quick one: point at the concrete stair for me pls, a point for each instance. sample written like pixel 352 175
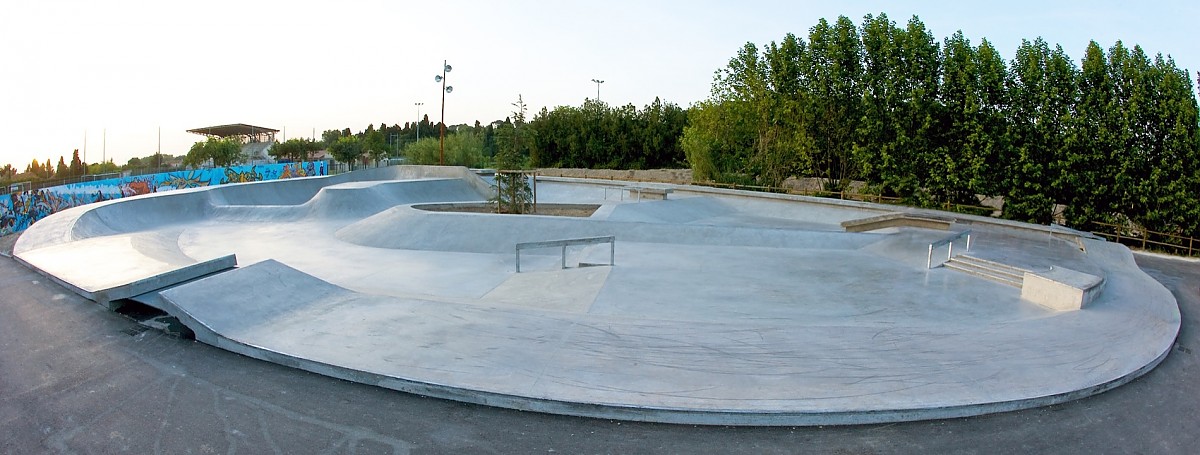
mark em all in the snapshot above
pixel 983 268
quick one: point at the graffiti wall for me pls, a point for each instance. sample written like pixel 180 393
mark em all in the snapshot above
pixel 21 209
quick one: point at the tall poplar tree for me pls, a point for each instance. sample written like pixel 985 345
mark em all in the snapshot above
pixel 833 68
pixel 1042 86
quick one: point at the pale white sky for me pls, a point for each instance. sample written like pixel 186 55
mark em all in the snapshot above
pixel 130 67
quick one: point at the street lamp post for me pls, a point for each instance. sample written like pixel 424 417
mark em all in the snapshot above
pixel 598 82
pixel 445 89
pixel 418 128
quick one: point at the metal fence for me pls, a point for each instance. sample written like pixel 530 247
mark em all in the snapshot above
pixel 1148 240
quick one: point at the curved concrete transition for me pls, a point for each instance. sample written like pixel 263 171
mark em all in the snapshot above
pixel 723 307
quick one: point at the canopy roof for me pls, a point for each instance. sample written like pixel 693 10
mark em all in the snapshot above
pixel 234 130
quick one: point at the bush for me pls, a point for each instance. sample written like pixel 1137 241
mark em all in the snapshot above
pixel 462 149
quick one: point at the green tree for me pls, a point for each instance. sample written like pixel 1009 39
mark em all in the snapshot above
pixel 347 149
pixel 374 144
pixel 328 137
pixel 994 144
pixel 104 167
pixel 755 126
pixel 62 171
pixel 1043 90
pixel 1085 172
pixel 514 139
pixel 295 150
pixel 462 149
pixel 833 71
pixel 718 140
pixel 222 152
pixel 1159 162
pixel 897 135
pixel 968 136
pixel 77 167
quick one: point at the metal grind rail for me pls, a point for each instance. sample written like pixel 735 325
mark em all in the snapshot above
pixel 609 239
pixel 947 241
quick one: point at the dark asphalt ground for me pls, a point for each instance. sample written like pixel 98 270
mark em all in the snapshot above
pixel 76 378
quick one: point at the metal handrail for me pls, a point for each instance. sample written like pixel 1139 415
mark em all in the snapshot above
pixel 947 241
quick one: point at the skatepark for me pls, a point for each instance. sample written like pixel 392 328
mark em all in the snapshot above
pixel 719 307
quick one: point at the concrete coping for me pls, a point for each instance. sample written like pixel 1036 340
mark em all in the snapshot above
pixel 1061 289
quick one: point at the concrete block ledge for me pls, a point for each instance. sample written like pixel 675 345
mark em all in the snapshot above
pixel 1061 289
pixel 165 279
pixel 896 219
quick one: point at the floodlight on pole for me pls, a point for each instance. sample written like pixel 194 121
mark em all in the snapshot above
pixel 445 89
pixel 598 82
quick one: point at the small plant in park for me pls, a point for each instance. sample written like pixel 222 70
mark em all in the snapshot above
pixel 513 138
pixel 513 192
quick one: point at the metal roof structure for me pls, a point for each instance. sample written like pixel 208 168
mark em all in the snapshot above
pixel 250 132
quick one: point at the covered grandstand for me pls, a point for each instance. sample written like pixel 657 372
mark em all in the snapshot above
pixel 255 140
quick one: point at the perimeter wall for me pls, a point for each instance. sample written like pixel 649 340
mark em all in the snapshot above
pixel 21 209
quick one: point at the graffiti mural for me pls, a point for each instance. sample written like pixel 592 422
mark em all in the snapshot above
pixel 21 209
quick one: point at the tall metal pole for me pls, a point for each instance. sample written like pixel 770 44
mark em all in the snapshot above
pixel 418 128
pixel 442 135
pixel 445 89
pixel 598 82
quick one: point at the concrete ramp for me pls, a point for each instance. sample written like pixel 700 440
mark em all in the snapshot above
pixel 684 210
pixel 129 276
pixel 362 199
pixel 746 372
pixel 413 229
pixel 233 303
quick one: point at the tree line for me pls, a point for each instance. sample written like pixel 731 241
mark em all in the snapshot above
pixel 1112 139
pixel 593 135
pixel 46 172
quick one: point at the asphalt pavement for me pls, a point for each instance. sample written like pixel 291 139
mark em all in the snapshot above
pixel 76 378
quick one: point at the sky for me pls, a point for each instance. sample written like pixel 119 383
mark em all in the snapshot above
pixel 105 77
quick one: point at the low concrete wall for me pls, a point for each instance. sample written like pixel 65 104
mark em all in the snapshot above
pixel 1061 289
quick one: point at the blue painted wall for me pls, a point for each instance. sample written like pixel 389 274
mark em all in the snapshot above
pixel 19 210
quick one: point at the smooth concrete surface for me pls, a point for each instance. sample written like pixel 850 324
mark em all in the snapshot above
pixel 1061 289
pixel 77 378
pixel 724 307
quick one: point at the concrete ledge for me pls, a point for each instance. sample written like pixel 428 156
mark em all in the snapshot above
pixel 896 219
pixel 1061 289
pixel 165 279
pixel 648 193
